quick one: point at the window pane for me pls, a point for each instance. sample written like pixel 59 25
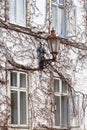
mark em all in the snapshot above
pixel 54 0
pixel 23 80
pixel 20 12
pixel 55 17
pixel 57 112
pixel 61 1
pixel 64 111
pixel 22 107
pixel 64 87
pixel 14 107
pixel 13 79
pixel 56 85
pixel 61 22
pixel 12 12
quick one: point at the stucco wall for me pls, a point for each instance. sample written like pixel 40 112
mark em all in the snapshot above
pixel 39 82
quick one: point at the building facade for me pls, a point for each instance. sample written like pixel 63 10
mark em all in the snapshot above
pixel 31 98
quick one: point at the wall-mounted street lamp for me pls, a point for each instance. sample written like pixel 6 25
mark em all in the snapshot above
pixel 53 45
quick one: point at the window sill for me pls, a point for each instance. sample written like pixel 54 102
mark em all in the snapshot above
pixel 17 24
pixel 60 128
pixel 19 126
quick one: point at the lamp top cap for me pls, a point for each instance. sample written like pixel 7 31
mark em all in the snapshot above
pixel 53 32
pixel 53 35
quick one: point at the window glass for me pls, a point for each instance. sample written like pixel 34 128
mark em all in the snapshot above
pixel 54 17
pixel 57 112
pixel 22 80
pixel 13 79
pixel 64 111
pixel 14 107
pixel 61 1
pixel 22 107
pixel 17 12
pixel 54 0
pixel 59 19
pixel 61 22
pixel 56 85
pixel 12 12
pixel 20 11
pixel 64 87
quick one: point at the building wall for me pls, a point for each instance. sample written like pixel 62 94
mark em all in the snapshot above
pixel 40 84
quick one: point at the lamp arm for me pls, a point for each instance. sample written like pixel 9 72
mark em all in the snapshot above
pixel 43 63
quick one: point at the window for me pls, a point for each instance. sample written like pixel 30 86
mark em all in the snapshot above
pixel 59 17
pixel 61 103
pixel 17 11
pixel 18 85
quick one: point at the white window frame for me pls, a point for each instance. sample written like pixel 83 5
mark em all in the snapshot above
pixel 19 89
pixel 60 94
pixel 57 25
pixel 23 23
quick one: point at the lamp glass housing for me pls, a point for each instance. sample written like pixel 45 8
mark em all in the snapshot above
pixel 53 43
